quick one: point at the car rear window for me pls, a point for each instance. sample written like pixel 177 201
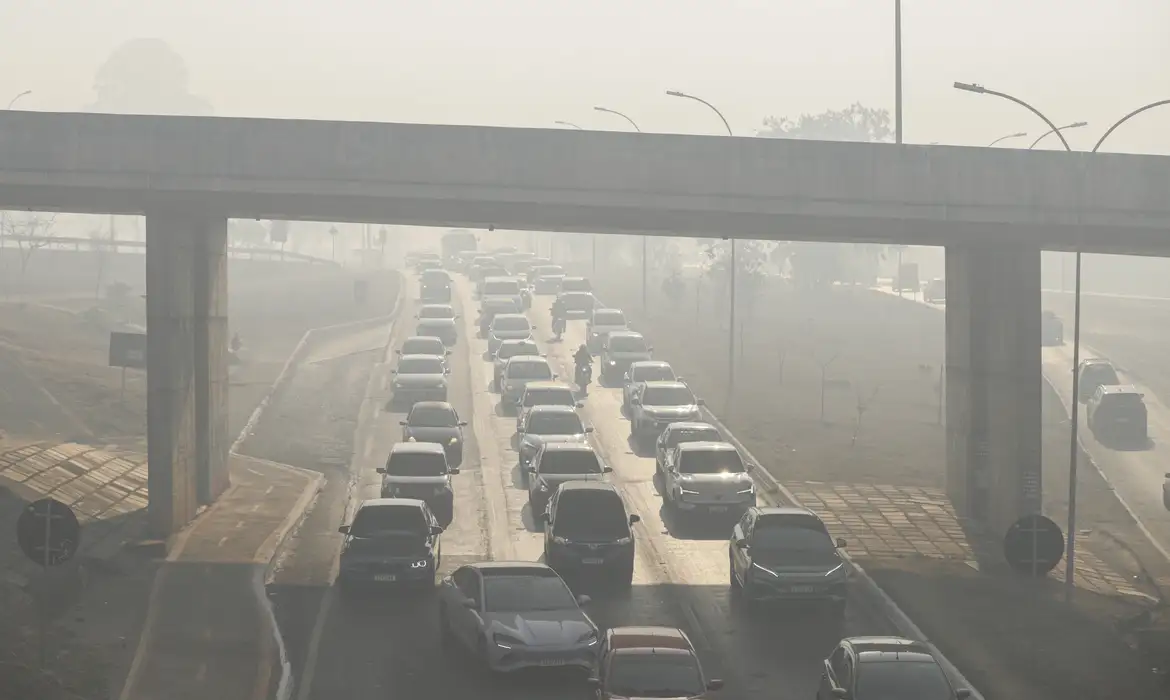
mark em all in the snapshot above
pixel 431 417
pixel 678 437
pixel 421 365
pixel 609 317
pixel 416 465
pixel 503 288
pixel 627 343
pixel 549 397
pixel 529 370
pixel 667 396
pixel 511 323
pixel 585 514
pixel 654 373
pixel 423 347
pixel 570 462
pixel 371 520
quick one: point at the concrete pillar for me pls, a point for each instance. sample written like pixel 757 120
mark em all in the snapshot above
pixel 180 287
pixel 211 360
pixel 993 384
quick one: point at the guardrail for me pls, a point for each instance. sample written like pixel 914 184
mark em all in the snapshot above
pixel 91 244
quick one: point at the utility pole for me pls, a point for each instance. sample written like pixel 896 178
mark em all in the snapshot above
pixel 898 71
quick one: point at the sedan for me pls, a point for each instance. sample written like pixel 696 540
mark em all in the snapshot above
pixel 391 540
pixel 516 615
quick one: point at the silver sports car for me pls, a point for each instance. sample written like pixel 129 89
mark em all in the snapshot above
pixel 516 615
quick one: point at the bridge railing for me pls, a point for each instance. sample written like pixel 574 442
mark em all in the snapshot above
pixel 91 244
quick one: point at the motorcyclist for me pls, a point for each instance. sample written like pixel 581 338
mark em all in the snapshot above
pixel 582 357
pixel 236 342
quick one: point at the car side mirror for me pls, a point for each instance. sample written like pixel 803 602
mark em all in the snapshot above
pixel 607 470
pixel 741 544
pixel 841 693
pixel 452 470
pixel 530 470
pixel 469 603
pixel 589 429
pixel 584 600
pixel 401 422
pixel 841 543
pixel 635 519
pixel 462 424
pixel 580 404
pixel 344 529
pixel 700 402
pixel 715 684
pixel 436 529
pixel 447 371
pixel 963 693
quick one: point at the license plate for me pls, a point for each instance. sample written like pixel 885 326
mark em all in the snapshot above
pixel 593 560
pixel 552 662
pixel 385 577
pixel 801 589
pixel 718 509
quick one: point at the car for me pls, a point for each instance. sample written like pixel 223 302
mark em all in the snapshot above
pixel 546 279
pixel 1051 329
pixel 521 267
pixel 707 479
pixel 437 422
pixel 1095 372
pixel 656 405
pixel 545 424
pixel 785 554
pixel 577 304
pixel 477 264
pixel 420 470
pixel 503 287
pixel 544 394
pixel 877 668
pixel 934 291
pixel 576 284
pixel 676 434
pixel 600 324
pixel 516 615
pixel 391 541
pixel 507 327
pixel 518 372
pixel 645 371
pixel 428 261
pixel 507 350
pixel 435 286
pixel 438 320
pixel 420 378
pixel 558 462
pixel 587 530
pixel 491 306
pixel 423 345
pixel 544 268
pixel 1117 415
pixel 650 662
pixel 486 272
pixel 620 350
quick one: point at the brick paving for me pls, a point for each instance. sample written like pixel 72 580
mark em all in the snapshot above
pixel 881 520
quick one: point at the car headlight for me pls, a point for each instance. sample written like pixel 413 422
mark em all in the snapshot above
pixel 559 540
pixel 757 567
pixel 589 638
pixel 612 363
pixel 506 641
pixel 543 486
pixel 453 441
pixel 397 384
pixel 688 492
pixel 420 564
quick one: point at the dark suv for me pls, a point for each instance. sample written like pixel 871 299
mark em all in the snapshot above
pixel 588 530
pixel 1117 415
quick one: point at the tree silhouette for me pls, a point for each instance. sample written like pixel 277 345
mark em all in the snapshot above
pixel 146 76
pixel 854 123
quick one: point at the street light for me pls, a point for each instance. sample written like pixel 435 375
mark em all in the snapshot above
pixel 570 124
pixel 1070 551
pixel 333 236
pixel 1131 115
pixel 17 97
pixel 898 71
pixel 1016 135
pixel 623 116
pixel 713 108
pixel 1074 125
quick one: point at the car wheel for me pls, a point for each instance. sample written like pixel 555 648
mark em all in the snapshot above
pixel 733 582
pixel 624 576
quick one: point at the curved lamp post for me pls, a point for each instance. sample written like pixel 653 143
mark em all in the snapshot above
pixel 1074 125
pixel 623 116
pixel 1016 135
pixel 569 124
pixel 17 97
pixel 713 108
pixel 1126 118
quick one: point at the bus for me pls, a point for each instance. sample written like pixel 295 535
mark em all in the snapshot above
pixel 456 241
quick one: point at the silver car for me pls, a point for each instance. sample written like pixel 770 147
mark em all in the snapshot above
pixel 545 424
pixel 600 324
pixel 517 374
pixel 517 615
pixel 420 378
pixel 707 478
pixel 506 351
pixel 507 327
pixel 645 371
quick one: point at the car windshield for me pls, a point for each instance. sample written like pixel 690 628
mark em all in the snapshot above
pixel 423 347
pixel 654 676
pixel 570 462
pixel 435 277
pixel 517 349
pixel 529 370
pixel 526 594
pixel 416 465
pixel 577 299
pixel 711 462
pixel 591 515
pixel 611 317
pixel 555 424
pixel 436 312
pixel 372 521
pixel 800 540
pixel 420 365
pixel 550 397
pixel 897 680
pixel 510 323
pixel 1123 402
pixel 432 417
pixel 667 396
pixel 502 288
pixel 653 373
pixel 678 437
pixel 627 343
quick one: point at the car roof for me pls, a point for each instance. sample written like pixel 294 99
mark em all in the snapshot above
pixel 500 278
pixel 649 363
pixel 547 385
pixel 428 338
pixel 518 341
pixel 684 426
pixel 534 359
pixel 1096 361
pixel 436 306
pixel 796 510
pixel 665 383
pixel 499 316
pixel 645 636
pixel 418 356
pixel 414 448
pixel 869 657
pixel 391 503
pixel 608 308
pixel 576 277
pixel 589 486
pixel 568 446
pixel 619 334
pixel 1112 389
pixel 707 446
pixel 553 408
pixel 511 567
pixel 432 404
pixel 879 642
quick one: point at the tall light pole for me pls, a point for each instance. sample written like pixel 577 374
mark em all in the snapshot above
pixel 623 116
pixel 1057 130
pixel 898 71
pixel 1131 115
pixel 639 130
pixel 1017 135
pixel 17 97
pixel 731 328
pixel 569 124
pixel 1071 538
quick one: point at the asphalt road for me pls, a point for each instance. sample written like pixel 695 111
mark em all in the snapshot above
pixel 372 646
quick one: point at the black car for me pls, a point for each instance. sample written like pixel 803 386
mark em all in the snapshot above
pixel 558 462
pixel 877 668
pixel 588 530
pixel 1118 416
pixel 391 541
pixel 435 286
pixel 438 422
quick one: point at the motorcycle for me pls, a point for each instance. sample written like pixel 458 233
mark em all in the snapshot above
pixel 584 376
pixel 558 327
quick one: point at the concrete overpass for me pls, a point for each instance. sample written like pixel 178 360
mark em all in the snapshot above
pixel 993 209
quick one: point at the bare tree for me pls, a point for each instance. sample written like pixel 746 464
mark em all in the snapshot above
pixel 30 234
pixel 824 371
pixel 863 404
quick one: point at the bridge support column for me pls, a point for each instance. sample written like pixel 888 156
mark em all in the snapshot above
pixel 993 384
pixel 186 364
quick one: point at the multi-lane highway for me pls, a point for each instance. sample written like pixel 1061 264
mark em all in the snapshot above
pixel 375 644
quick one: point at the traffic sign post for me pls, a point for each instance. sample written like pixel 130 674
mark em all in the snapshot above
pixel 1033 546
pixel 49 534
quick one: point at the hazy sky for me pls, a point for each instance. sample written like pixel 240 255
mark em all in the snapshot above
pixel 531 62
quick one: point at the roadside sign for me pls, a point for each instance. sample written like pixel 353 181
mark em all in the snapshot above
pixel 128 350
pixel 1033 545
pixel 278 231
pixel 48 532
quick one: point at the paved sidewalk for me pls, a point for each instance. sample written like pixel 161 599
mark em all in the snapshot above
pixel 209 631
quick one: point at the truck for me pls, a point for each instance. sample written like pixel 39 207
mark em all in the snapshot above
pixel 454 242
